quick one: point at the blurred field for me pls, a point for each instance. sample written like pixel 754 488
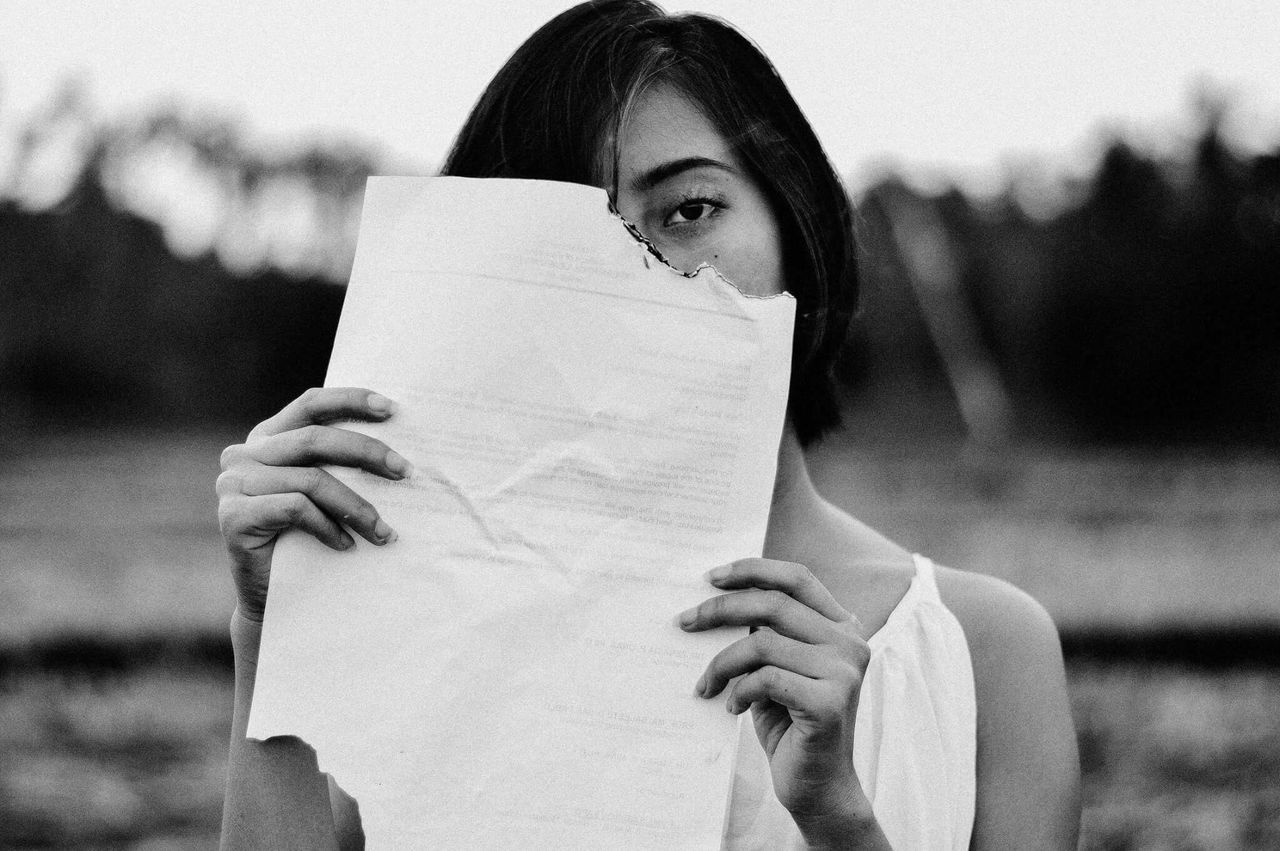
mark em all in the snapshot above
pixel 1113 538
pixel 1173 759
pixel 134 760
pixel 118 738
pixel 111 534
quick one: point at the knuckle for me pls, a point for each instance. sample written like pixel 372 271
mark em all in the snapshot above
pixel 309 437
pixel 308 402
pixel 765 642
pixel 802 578
pixel 775 602
pixel 225 514
pixel 313 479
pixel 295 508
pixel 857 651
pixel 364 514
pixel 848 670
pixel 231 456
pixel 847 701
pixel 835 705
pixel 231 516
pixel 229 482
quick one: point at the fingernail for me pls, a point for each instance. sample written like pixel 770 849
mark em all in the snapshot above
pixel 346 542
pixel 384 533
pixel 701 687
pixel 380 404
pixel 398 465
pixel 715 574
pixel 688 616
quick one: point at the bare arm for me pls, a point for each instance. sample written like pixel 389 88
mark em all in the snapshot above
pixel 276 795
pixel 1028 771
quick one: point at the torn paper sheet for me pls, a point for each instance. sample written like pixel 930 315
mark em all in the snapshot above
pixel 592 431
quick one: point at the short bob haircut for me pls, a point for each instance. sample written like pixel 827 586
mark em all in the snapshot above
pixel 558 103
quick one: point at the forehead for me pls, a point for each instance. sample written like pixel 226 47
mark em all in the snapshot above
pixel 663 126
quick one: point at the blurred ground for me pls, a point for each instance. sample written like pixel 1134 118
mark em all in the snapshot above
pixel 111 533
pixel 1173 759
pixel 114 710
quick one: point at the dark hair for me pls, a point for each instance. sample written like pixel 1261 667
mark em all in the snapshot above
pixel 560 99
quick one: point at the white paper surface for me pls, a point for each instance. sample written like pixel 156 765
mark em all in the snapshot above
pixel 592 431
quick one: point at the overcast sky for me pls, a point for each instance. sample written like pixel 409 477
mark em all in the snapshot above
pixel 957 87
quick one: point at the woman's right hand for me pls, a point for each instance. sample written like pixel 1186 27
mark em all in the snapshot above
pixel 273 482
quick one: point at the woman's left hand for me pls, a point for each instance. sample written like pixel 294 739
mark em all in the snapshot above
pixel 801 671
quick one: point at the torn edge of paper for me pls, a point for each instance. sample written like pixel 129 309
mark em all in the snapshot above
pixel 653 250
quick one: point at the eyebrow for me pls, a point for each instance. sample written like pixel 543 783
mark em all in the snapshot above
pixel 668 170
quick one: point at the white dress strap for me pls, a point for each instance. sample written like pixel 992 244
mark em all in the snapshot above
pixel 925 574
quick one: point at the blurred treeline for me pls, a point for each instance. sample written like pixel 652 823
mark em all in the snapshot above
pixel 176 275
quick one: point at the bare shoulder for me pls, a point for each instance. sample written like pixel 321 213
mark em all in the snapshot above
pixel 1028 767
pixel 1017 657
pixel 998 618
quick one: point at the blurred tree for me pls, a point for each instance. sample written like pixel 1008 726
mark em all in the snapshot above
pixel 163 270
pixel 1164 313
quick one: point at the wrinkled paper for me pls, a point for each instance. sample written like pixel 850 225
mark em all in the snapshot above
pixel 591 430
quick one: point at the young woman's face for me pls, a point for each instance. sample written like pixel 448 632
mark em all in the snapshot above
pixel 680 183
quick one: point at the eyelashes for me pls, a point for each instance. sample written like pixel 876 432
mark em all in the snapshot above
pixel 693 210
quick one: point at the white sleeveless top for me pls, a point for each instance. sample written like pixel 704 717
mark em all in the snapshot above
pixel 915 737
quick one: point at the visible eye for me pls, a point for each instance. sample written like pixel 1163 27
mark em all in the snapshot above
pixel 693 210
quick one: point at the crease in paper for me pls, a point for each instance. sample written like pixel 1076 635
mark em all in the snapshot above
pixel 592 431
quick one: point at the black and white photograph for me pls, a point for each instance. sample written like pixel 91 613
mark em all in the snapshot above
pixel 839 424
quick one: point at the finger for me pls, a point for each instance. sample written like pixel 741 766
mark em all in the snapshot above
pixel 252 522
pixel 324 405
pixel 336 500
pixel 791 578
pixel 761 648
pixel 786 688
pixel 774 609
pixel 317 444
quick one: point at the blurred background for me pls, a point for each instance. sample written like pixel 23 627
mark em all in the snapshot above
pixel 1066 373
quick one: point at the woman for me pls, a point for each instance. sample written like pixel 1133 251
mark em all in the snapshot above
pixel 895 704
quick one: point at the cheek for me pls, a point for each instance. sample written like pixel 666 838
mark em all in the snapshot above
pixel 753 264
